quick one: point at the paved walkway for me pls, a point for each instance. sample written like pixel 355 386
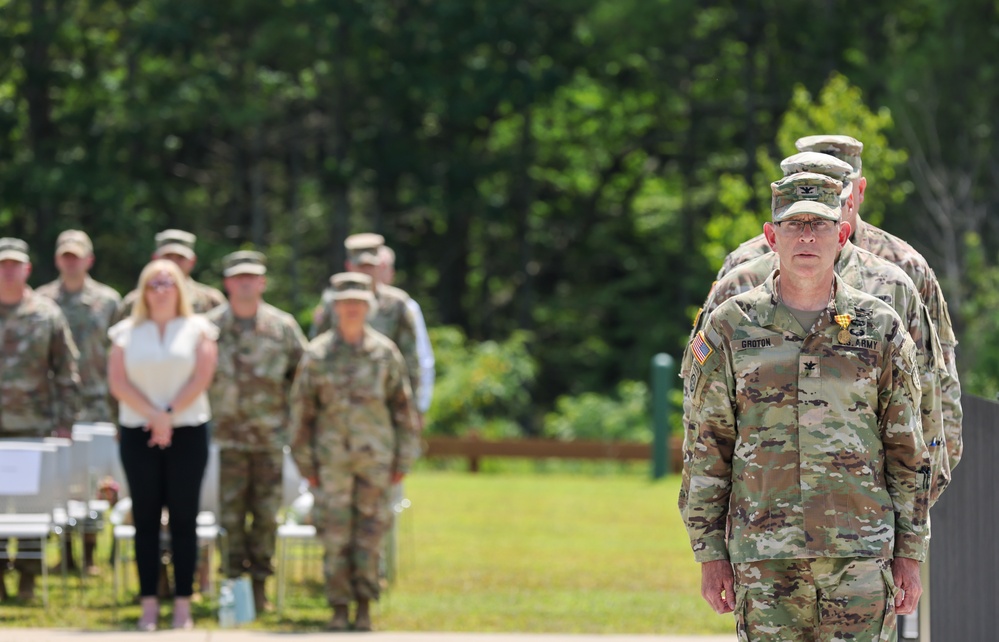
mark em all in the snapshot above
pixel 56 635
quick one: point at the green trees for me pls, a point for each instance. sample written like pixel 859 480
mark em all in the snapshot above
pixel 573 169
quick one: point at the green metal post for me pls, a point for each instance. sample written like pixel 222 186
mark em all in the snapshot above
pixel 662 382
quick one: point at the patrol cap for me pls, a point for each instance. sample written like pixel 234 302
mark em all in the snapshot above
pixel 75 242
pixel 12 249
pixel 175 242
pixel 352 285
pixel 845 148
pixel 244 262
pixel 806 193
pixel 362 249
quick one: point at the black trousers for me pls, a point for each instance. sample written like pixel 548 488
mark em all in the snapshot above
pixel 168 477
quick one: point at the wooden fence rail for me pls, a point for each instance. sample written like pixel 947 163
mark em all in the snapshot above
pixel 475 449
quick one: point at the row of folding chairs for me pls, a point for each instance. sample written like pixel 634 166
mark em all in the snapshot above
pixel 48 486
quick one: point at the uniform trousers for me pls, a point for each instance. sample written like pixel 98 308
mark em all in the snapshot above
pixel 815 600
pixel 171 478
pixel 352 515
pixel 250 486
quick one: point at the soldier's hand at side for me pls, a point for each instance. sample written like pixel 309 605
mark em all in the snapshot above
pixel 313 481
pixel 718 585
pixel 397 477
pixel 905 571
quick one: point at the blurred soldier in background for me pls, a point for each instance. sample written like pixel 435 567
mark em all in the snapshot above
pixel 178 246
pixel 259 350
pixel 89 307
pixel 424 349
pixel 39 383
pixel 391 315
pixel 356 434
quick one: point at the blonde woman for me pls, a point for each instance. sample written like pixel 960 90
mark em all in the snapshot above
pixel 161 363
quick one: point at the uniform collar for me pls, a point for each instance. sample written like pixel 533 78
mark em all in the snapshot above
pixel 841 302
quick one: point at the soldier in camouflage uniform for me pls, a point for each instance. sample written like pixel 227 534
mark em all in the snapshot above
pixel 178 246
pixel 808 492
pixel 39 383
pixel 864 271
pixel 894 250
pixel 356 434
pixel 259 350
pixel 89 307
pixel 392 316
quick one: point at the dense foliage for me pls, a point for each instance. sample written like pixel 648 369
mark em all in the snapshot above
pixel 570 169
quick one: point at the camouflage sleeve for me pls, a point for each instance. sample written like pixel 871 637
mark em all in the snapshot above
pixel 296 344
pixel 322 314
pixel 710 435
pixel 402 409
pixel 303 418
pixel 63 358
pixel 907 461
pixel 406 341
pixel 950 385
pixel 930 363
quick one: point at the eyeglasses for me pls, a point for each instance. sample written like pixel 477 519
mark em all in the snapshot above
pixel 160 284
pixel 819 227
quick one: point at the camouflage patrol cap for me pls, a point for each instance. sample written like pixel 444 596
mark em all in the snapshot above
pixel 845 148
pixel 362 249
pixel 806 193
pixel 75 242
pixel 352 285
pixel 244 262
pixel 175 242
pixel 12 249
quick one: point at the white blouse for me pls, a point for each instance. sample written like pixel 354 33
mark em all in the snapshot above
pixel 159 368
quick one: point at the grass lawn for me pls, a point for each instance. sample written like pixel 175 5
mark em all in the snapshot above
pixel 511 551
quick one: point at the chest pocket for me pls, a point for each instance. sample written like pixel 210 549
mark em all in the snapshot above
pixel 763 365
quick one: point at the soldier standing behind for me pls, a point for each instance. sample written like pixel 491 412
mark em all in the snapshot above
pixel 356 434
pixel 259 350
pixel 808 498
pixel 39 384
pixel 391 315
pixel 89 307
pixel 178 246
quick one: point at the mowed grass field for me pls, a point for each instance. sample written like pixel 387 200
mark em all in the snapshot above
pixel 512 551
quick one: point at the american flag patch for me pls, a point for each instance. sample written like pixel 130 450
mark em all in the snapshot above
pixel 700 348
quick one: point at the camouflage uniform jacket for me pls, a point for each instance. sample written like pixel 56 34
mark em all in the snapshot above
pixel 39 382
pixel 896 251
pixel 747 251
pixel 805 446
pixel 354 397
pixel 393 318
pixel 203 299
pixel 899 253
pixel 875 276
pixel 256 367
pixel 89 313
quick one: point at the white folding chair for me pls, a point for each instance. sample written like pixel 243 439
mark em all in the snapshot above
pixel 296 502
pixel 31 494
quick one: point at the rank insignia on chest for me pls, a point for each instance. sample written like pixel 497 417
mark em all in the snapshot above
pixel 700 348
pixel 809 367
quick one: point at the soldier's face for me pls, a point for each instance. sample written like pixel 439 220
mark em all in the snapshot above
pixel 374 271
pixel 806 252
pixel 71 265
pixel 245 287
pixel 14 273
pixel 351 311
pixel 184 263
